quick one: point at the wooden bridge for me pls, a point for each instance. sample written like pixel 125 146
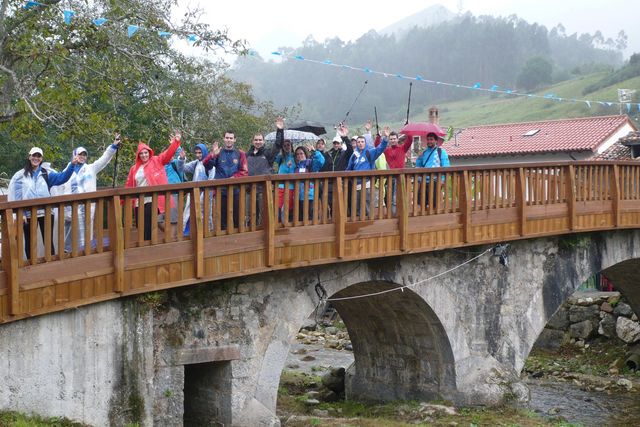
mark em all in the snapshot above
pixel 473 205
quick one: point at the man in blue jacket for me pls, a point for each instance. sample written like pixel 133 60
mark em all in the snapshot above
pixel 432 157
pixel 362 159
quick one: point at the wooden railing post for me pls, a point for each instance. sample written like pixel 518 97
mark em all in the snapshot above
pixel 571 196
pixel 269 220
pixel 403 211
pixel 615 195
pixel 465 206
pixel 116 242
pixel 521 201
pixel 338 216
pixel 10 257
pixel 197 233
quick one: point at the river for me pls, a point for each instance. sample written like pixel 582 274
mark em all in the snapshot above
pixel 549 398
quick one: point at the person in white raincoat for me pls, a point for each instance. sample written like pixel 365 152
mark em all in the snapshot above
pixel 200 173
pixel 35 181
pixel 83 180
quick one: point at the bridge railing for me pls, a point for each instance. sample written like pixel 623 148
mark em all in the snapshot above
pixel 100 245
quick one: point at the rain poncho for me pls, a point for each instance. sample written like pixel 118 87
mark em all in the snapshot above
pixel 83 180
pixel 200 173
pixel 24 187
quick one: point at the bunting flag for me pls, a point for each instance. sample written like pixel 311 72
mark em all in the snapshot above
pixel 68 14
pixel 131 30
pixel 476 86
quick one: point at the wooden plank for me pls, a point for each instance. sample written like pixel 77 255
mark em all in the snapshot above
pixel 197 236
pixel 571 196
pixel 117 237
pixel 10 257
pixel 615 195
pixel 60 238
pixel 98 225
pixel 48 233
pixel 465 206
pixel 339 217
pixel 403 212
pixel 154 218
pixel 270 217
pixel 128 221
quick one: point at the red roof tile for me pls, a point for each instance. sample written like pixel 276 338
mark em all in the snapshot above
pixel 582 134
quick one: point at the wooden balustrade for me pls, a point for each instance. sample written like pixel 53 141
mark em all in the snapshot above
pixel 102 245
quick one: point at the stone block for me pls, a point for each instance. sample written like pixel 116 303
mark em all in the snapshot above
pixel 582 330
pixel 623 309
pixel 560 320
pixel 579 314
pixel 607 326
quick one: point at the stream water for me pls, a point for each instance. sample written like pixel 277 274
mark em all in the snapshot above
pixel 549 398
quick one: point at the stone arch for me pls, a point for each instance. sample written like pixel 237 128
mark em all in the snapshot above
pixel 400 347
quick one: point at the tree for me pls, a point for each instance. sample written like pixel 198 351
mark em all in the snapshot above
pixel 66 84
pixel 536 72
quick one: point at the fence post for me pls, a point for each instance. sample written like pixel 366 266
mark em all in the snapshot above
pixel 10 260
pixel 116 242
pixel 269 220
pixel 338 216
pixel 197 233
pixel 615 195
pixel 571 197
pixel 465 206
pixel 521 201
pixel 403 212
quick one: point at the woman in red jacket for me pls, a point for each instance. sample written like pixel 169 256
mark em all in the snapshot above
pixel 149 170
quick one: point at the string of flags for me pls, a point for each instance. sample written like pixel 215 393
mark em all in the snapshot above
pixel 68 16
pixel 476 86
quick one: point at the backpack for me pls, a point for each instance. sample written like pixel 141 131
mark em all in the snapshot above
pixel 45 175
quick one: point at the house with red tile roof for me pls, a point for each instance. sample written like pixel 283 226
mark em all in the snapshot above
pixel 583 138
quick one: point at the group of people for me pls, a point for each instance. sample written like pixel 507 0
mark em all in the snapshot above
pixel 358 153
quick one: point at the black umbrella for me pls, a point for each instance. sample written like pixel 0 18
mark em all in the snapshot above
pixel 307 126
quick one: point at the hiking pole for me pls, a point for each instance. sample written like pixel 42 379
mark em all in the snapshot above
pixel 354 102
pixel 375 113
pixel 408 103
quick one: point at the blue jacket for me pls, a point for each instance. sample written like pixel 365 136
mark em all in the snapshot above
pixel 360 161
pixel 313 164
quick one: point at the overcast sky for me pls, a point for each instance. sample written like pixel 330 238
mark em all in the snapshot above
pixel 268 25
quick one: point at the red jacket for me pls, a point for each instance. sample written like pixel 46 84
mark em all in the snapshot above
pixel 395 154
pixel 154 169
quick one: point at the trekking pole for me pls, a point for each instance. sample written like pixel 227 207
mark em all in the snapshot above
pixel 408 103
pixel 375 113
pixel 354 102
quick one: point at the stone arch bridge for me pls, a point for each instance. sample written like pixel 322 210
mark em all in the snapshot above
pixel 108 352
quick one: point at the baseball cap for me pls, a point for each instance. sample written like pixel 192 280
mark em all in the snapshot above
pixel 81 150
pixel 35 150
pixel 337 139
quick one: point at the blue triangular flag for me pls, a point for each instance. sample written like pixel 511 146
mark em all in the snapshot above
pixel 192 38
pixel 588 103
pixel 276 53
pixel 252 52
pixel 327 61
pixel 628 108
pixel 400 76
pixel 99 21
pixel 28 5
pixel 164 34
pixel 366 70
pixel 609 104
pixel 494 88
pixel 299 57
pixel 602 103
pixel 477 86
pixel 419 78
pixel 68 14
pixel 131 30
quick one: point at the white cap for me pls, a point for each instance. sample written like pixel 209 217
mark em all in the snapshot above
pixel 81 150
pixel 35 150
pixel 337 139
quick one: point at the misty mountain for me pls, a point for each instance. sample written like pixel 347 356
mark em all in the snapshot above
pixel 433 15
pixel 506 52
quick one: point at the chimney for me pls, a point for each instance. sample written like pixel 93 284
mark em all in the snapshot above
pixel 433 115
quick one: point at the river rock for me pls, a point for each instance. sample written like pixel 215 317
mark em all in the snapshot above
pixel 623 309
pixel 623 382
pixel 550 339
pixel 309 325
pixel 582 330
pixel 331 330
pixel 627 330
pixel 334 380
pixel 606 307
pixel 607 326
pixel 320 413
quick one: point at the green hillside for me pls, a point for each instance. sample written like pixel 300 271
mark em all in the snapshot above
pixel 491 109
